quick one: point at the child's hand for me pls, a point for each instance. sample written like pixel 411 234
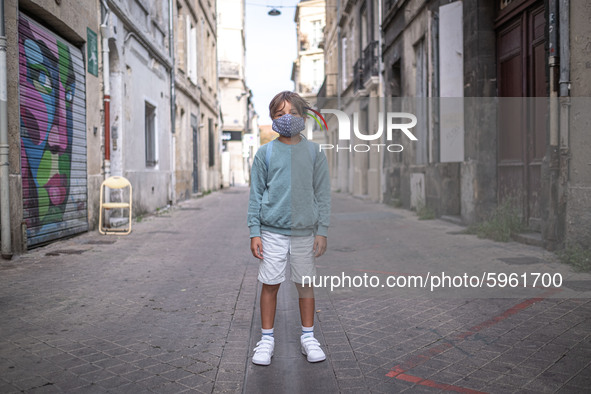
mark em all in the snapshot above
pixel 319 245
pixel 256 247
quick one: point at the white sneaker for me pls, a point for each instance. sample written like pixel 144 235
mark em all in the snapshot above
pixel 264 350
pixel 311 348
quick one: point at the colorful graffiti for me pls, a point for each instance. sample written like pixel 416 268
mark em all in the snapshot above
pixel 47 92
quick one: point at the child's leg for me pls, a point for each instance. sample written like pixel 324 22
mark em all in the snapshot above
pixel 302 270
pixel 310 346
pixel 307 304
pixel 268 305
pixel 271 274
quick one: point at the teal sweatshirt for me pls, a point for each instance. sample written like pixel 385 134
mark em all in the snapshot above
pixel 292 196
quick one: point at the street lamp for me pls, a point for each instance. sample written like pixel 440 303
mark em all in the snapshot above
pixel 274 12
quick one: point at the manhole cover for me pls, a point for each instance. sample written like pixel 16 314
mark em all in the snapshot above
pixel 65 251
pixel 522 260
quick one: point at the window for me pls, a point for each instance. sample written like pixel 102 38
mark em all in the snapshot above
pixel 396 80
pixel 191 51
pixel 181 44
pixel 317 35
pixel 363 29
pixel 150 125
pixel 211 142
pixel 316 74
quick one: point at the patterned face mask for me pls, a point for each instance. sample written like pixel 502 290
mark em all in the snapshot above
pixel 289 125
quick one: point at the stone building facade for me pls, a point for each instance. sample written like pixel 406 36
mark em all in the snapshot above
pixel 499 115
pixel 196 136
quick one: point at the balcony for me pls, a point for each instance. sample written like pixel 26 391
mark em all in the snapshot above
pixel 370 61
pixel 366 67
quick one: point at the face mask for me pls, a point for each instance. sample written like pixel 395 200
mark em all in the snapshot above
pixel 289 125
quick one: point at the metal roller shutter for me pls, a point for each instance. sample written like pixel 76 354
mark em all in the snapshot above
pixel 52 101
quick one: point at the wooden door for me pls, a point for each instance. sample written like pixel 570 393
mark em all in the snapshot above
pixel 522 84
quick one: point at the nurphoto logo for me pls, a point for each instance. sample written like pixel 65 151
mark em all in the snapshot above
pixel 344 130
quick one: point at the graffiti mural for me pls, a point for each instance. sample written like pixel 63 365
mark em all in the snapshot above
pixel 53 134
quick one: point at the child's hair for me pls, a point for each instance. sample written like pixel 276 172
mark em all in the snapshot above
pixel 294 99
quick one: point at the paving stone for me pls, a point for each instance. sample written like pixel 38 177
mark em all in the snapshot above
pixel 137 375
pixel 498 388
pixel 84 369
pixel 123 368
pixel 146 362
pixel 227 387
pixel 113 382
pixel 548 383
pixel 153 381
pixel 97 375
pixel 471 383
pixel 170 387
pixel 108 363
pixel 31 383
pixel 194 381
pixel 513 380
pixel 92 389
pixel 176 374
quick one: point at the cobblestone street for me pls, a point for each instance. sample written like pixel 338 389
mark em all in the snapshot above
pixel 173 307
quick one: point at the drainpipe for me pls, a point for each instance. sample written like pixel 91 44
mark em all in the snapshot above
pixel 563 138
pixel 339 56
pixel 172 101
pixel 564 82
pixel 550 232
pixel 172 72
pixel 382 94
pixel 564 12
pixel 107 90
pixel 4 147
pixel 564 26
pixel 553 64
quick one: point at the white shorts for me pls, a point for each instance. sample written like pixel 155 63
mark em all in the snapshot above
pixel 278 249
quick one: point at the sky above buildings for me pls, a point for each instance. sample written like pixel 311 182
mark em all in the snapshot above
pixel 270 51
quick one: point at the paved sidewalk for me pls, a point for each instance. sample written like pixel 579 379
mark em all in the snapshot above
pixel 173 308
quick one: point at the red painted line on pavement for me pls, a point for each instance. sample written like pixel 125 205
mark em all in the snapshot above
pixel 437 385
pixel 399 370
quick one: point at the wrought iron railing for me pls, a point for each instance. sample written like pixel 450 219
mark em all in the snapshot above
pixel 366 66
pixel 358 75
pixel 370 61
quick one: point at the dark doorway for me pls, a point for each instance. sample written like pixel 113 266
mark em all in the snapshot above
pixel 522 85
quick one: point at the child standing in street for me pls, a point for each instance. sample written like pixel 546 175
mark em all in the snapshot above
pixel 288 217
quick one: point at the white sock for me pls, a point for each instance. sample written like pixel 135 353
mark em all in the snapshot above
pixel 308 330
pixel 268 332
